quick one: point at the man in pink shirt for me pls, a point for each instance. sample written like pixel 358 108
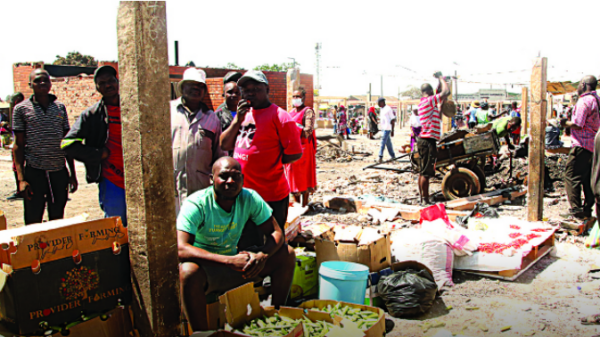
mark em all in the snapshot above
pixel 264 138
pixel 584 125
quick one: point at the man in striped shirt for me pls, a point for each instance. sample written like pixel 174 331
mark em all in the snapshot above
pixel 39 124
pixel 431 124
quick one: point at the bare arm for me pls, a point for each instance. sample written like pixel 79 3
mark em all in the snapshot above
pixel 274 235
pixel 73 185
pixel 569 124
pixel 275 239
pixel 19 154
pixel 189 253
pixel 445 89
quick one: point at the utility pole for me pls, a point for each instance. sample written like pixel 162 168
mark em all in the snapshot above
pixel 381 85
pixel 318 64
pixel 294 62
pixel 456 86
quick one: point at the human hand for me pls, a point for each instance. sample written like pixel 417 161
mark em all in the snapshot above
pixel 73 184
pixel 105 153
pixel 255 265
pixel 392 133
pixel 563 122
pixel 239 261
pixel 242 109
pixel 25 190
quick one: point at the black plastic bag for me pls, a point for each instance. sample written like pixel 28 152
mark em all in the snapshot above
pixel 408 292
pixel 481 210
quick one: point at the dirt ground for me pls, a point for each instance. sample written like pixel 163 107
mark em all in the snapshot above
pixel 548 300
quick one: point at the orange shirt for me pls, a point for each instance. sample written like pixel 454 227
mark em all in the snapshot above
pixel 112 167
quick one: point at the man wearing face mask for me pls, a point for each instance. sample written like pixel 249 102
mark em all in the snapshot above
pixel 302 175
pixel 584 125
pixel 195 133
pixel 264 138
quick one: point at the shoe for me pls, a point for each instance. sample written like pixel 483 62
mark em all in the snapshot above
pixel 574 215
pixel 15 196
pixel 380 160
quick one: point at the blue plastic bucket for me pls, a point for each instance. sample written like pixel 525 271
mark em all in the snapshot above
pixel 343 281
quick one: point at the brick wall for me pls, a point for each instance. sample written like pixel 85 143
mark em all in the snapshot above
pixel 77 93
pixel 21 73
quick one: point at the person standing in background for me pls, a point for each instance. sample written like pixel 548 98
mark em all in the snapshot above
pixel 431 133
pixel 388 120
pixel 302 174
pixel 95 139
pixel 584 126
pixel 40 123
pixel 195 134
pixel 15 99
pixel 415 128
pixel 264 138
pixel 231 93
pixel 472 114
pixel 515 135
pixel 373 128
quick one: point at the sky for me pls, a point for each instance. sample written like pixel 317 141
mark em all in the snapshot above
pixel 401 42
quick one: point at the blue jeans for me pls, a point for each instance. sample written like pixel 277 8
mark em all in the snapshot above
pixel 386 140
pixel 112 200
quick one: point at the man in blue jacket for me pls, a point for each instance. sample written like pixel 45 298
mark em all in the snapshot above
pixel 95 140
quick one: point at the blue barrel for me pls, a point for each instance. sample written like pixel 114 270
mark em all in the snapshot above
pixel 343 281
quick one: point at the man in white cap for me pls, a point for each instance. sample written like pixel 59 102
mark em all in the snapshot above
pixel 264 138
pixel 195 133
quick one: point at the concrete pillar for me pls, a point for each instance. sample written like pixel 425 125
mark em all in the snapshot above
pixel 147 154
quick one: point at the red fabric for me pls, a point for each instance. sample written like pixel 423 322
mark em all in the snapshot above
pixel 434 212
pixel 112 167
pixel 264 137
pixel 302 174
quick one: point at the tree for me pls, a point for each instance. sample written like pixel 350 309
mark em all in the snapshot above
pixel 412 92
pixel 232 65
pixel 77 282
pixel 75 58
pixel 276 67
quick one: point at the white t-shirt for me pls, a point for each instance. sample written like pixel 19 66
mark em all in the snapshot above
pixel 387 115
pixel 415 121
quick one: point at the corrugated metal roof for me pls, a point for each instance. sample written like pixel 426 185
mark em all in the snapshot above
pixel 561 88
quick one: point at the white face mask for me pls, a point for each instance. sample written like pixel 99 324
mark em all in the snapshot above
pixel 297 101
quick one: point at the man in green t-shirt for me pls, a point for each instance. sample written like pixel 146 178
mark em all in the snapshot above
pixel 209 227
pixel 505 126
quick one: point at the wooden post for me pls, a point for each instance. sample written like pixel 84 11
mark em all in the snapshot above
pixel 148 161
pixel 524 112
pixel 535 193
pixel 550 106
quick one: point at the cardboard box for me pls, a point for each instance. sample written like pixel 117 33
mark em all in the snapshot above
pixel 376 255
pixel 292 224
pixel 306 277
pixel 377 330
pixel 52 272
pixel 242 305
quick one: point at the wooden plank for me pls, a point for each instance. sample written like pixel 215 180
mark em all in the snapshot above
pixel 524 112
pixel 147 154
pixel 490 198
pixel 535 196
